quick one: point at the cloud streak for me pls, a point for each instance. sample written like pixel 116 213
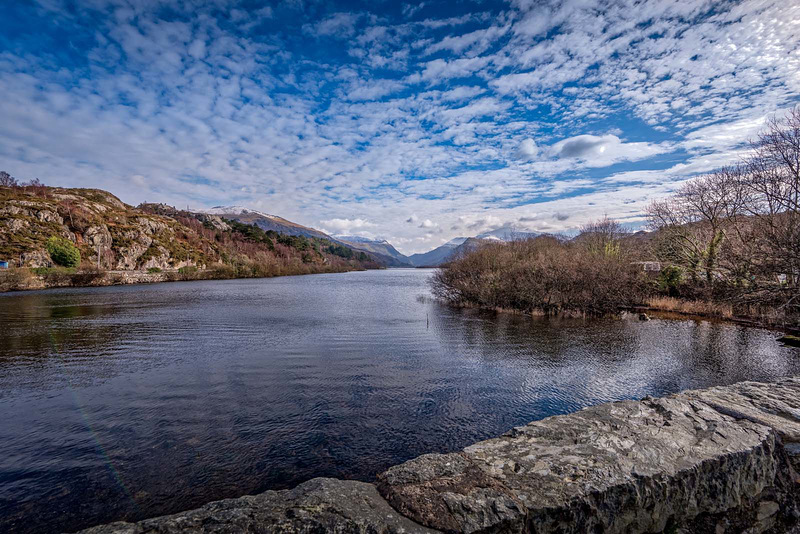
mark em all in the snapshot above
pixel 351 121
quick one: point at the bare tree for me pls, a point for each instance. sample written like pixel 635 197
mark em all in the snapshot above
pixel 603 236
pixel 773 179
pixel 6 180
pixel 694 222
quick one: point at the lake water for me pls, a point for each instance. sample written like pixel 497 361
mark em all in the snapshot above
pixel 128 402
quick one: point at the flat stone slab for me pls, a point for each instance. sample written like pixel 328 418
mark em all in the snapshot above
pixel 774 405
pixel 646 466
pixel 317 506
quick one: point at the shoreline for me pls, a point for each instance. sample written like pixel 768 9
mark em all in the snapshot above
pixel 722 459
pixel 662 311
pixel 744 321
pixel 36 282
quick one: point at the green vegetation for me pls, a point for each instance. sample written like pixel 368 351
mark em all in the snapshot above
pixel 669 280
pixel 251 232
pixel 153 270
pixel 49 271
pixel 346 252
pixel 63 252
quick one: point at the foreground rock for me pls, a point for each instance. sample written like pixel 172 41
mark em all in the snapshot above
pixel 701 461
pixel 720 460
pixel 319 505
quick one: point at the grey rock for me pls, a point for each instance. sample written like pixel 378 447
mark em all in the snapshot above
pixel 774 405
pixel 450 492
pixel 317 506
pixel 621 467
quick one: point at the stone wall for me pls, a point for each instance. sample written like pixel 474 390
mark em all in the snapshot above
pixel 13 280
pixel 719 460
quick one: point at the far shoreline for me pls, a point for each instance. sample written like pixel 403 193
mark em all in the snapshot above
pixel 36 282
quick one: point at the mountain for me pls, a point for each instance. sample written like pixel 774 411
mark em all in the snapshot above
pixel 461 245
pixel 439 255
pixel 381 249
pixel 506 234
pixel 264 221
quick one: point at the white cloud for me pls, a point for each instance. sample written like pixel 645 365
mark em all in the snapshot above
pixel 605 149
pixel 339 226
pixel 199 111
pixel 336 25
pixel 527 150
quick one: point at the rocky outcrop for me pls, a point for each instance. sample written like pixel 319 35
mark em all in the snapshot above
pixel 647 466
pixel 719 460
pixel 319 505
pixel 213 221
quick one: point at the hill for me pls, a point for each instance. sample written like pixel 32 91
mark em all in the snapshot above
pixel 264 221
pixel 111 235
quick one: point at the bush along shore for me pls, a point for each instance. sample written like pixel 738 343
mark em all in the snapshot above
pixel 725 245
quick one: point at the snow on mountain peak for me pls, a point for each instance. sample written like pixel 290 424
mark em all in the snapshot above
pixel 236 210
pixel 456 241
pixel 360 239
pixel 507 233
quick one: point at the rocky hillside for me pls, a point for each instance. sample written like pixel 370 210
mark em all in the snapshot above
pixel 112 235
pixel 265 221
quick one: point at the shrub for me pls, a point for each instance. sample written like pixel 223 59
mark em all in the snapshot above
pixel 542 275
pixel 153 270
pixel 63 252
pixel 55 276
pixel 669 280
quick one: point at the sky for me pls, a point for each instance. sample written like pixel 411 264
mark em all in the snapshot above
pixel 412 122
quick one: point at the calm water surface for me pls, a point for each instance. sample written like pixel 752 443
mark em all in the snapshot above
pixel 128 402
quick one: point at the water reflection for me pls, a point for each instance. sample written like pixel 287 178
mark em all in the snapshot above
pixel 122 403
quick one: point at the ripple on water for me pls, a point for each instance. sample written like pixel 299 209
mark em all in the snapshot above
pixel 127 402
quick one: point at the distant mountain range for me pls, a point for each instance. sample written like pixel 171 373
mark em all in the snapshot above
pixel 380 249
pixel 461 245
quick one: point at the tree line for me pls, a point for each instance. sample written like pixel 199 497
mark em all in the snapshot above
pixel 729 237
pixel 734 234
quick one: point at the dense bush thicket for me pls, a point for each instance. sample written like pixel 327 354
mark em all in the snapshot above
pixel 591 274
pixel 63 252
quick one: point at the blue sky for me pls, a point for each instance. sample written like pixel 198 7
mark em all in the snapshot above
pixel 415 122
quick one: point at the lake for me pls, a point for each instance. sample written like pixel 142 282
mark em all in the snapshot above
pixel 134 401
